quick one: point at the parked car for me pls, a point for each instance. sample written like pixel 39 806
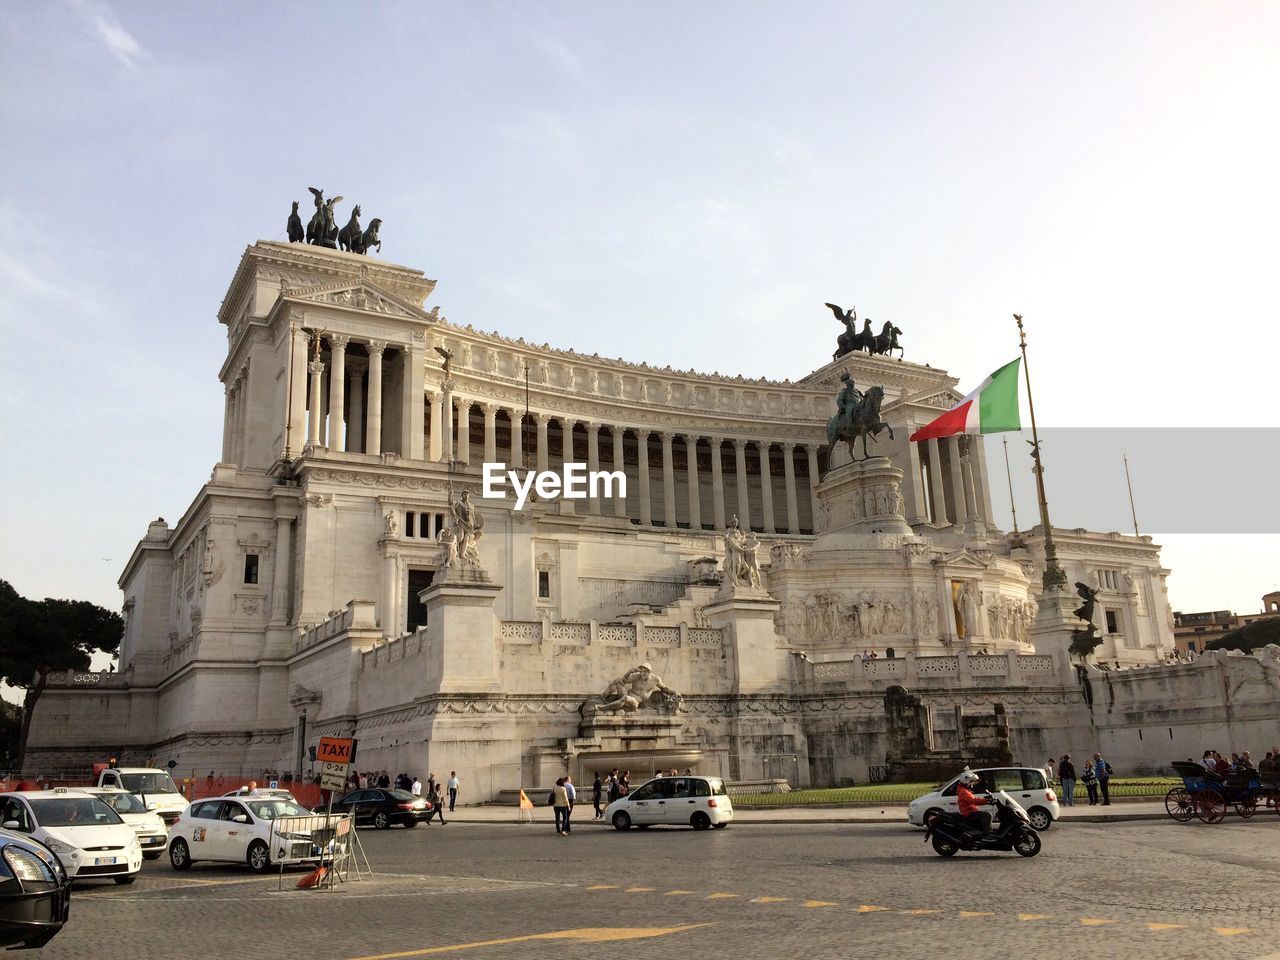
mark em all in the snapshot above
pixel 261 792
pixel 1027 785
pixel 381 807
pixel 83 832
pixel 238 831
pixel 154 785
pixel 698 802
pixel 35 892
pixel 152 832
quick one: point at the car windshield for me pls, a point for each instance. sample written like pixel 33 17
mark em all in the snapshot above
pixel 123 802
pixel 148 783
pixel 273 809
pixel 73 812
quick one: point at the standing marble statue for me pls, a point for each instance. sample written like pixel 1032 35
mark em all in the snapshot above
pixel 741 556
pixel 468 527
pixel 750 570
pixel 971 600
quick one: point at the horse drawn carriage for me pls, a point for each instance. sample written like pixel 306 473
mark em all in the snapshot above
pixel 1206 795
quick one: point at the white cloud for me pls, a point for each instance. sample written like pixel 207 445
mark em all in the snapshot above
pixel 120 43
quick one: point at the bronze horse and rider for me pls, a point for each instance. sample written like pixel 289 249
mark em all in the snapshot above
pixel 322 229
pixel 854 340
pixel 857 416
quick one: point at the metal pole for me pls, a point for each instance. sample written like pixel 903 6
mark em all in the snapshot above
pixel 1129 484
pixel 1009 476
pixel 1054 577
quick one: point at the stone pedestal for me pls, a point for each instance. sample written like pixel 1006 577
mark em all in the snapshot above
pixel 1050 632
pixel 860 498
pixel 460 631
pixel 748 616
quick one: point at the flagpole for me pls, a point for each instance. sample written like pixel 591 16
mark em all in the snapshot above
pixel 1009 477
pixel 1054 578
pixel 1129 483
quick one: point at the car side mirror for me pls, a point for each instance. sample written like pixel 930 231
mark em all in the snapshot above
pixel 240 818
pixel 12 825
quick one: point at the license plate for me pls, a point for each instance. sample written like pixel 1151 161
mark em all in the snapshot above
pixel 104 861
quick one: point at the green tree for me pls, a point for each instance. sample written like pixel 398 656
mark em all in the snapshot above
pixel 1250 637
pixel 40 636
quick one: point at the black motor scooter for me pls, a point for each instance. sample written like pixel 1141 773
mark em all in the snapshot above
pixel 1012 831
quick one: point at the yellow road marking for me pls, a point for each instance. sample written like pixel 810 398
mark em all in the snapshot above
pixel 604 886
pixel 677 893
pixel 967 914
pixel 917 913
pixel 1166 926
pixel 1035 916
pixel 1231 931
pixel 722 896
pixel 768 899
pixel 1093 922
pixel 639 890
pixel 819 903
pixel 864 908
pixel 584 934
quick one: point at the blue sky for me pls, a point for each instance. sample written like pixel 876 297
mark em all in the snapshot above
pixel 676 183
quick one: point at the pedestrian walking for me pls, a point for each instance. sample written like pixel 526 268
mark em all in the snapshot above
pixel 431 784
pixel 560 804
pixel 416 787
pixel 1067 773
pixel 453 789
pixel 624 783
pixel 1102 770
pixel 612 785
pixel 572 793
pixel 597 788
pixel 1090 780
pixel 437 805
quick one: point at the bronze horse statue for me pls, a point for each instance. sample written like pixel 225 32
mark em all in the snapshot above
pixel 370 237
pixel 862 421
pixel 887 341
pixel 349 236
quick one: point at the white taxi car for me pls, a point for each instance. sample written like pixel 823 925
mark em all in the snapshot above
pixel 150 827
pixel 697 802
pixel 87 835
pixel 242 830
pixel 1027 785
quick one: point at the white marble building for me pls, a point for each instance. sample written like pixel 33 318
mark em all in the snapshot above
pixel 302 592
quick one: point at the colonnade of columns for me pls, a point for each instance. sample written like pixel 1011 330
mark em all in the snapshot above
pixel 946 483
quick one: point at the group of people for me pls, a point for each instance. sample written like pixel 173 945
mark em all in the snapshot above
pixel 437 792
pixel 1215 762
pixel 1095 776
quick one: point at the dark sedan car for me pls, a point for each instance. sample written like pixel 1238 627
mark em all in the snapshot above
pixel 35 893
pixel 382 807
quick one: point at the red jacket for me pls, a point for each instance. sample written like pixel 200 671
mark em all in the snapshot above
pixel 968 802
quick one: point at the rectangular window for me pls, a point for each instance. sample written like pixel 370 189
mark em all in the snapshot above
pixel 408 523
pixel 415 609
pixel 1113 623
pixel 251 568
pixel 544 585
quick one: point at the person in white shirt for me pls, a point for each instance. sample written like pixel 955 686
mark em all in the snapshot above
pixel 572 795
pixel 416 789
pixel 452 786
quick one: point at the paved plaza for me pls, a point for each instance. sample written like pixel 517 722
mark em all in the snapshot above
pixel 1130 889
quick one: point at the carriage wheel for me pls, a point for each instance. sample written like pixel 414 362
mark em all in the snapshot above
pixel 1247 807
pixel 1179 804
pixel 1211 806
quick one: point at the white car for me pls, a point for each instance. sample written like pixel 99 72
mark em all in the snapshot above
pixel 152 832
pixel 152 784
pixel 87 835
pixel 697 802
pixel 242 830
pixel 1027 785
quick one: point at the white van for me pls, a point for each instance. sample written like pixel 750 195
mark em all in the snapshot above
pixel 1027 785
pixel 153 785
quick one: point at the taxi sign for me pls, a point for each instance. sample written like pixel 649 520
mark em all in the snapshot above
pixel 336 750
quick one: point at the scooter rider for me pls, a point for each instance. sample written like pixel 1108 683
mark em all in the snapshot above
pixel 969 802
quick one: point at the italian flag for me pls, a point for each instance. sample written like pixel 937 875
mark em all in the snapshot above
pixel 992 408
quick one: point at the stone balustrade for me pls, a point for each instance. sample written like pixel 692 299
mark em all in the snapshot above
pixel 961 670
pixel 593 633
pixel 86 679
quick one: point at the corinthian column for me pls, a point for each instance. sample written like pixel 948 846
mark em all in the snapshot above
pixel 717 482
pixel 642 468
pixel 744 501
pixel 593 461
pixel 691 468
pixel 619 463
pixel 373 428
pixel 490 432
pixel 317 372
pixel 542 419
pixel 957 481
pixel 766 486
pixel 517 438
pixel 939 498
pixel 789 477
pixel 668 482
pixel 812 450
pixel 414 403
pixel 464 430
pixel 435 448
pixel 446 420
pixel 337 391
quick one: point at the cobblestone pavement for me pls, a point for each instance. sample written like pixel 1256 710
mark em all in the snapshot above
pixel 1130 890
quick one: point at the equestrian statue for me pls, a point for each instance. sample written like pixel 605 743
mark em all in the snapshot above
pixel 857 415
pixel 322 229
pixel 854 341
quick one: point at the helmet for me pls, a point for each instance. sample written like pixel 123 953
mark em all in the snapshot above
pixel 969 778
